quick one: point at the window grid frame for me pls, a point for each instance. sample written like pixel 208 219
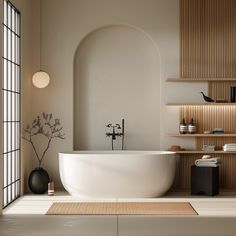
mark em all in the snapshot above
pixel 11 97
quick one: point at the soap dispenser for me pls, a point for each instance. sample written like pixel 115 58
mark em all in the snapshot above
pixel 183 128
pixel 192 127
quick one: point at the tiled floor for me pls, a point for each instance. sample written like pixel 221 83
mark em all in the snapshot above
pixel 25 217
pixel 221 205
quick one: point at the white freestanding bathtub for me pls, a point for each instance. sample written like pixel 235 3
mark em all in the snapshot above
pixel 117 174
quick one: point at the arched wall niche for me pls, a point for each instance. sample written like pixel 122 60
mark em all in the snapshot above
pixel 117 75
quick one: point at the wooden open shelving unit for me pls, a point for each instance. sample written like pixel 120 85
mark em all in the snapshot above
pixel 207 117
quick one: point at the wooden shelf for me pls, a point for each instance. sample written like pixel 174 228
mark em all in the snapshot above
pixel 202 135
pixel 203 152
pixel 200 104
pixel 200 80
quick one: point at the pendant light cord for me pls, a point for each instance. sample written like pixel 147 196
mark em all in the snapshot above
pixel 40 31
pixel 40 78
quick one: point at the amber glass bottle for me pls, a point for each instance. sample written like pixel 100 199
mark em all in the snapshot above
pixel 183 128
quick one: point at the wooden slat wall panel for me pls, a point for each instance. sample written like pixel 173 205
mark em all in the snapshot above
pixel 208 50
pixel 209 117
pixel 220 89
pixel 208 39
pixel 227 171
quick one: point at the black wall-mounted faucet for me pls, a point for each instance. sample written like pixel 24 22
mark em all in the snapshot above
pixel 115 134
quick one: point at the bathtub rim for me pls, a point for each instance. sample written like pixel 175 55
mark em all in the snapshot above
pixel 118 152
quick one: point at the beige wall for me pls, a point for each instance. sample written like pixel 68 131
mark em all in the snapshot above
pixel 66 23
pixel 117 75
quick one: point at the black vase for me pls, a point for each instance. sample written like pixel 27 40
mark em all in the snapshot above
pixel 38 181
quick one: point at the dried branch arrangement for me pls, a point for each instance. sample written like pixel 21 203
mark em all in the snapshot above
pixel 44 125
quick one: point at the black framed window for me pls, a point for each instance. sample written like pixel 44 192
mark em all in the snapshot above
pixel 11 92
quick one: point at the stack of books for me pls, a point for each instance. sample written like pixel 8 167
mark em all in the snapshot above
pixel 230 147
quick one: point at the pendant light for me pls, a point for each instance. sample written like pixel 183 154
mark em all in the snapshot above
pixel 41 78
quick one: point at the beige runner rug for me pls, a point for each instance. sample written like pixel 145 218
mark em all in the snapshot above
pixel 118 208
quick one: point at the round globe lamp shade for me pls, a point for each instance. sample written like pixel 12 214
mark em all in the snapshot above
pixel 41 79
